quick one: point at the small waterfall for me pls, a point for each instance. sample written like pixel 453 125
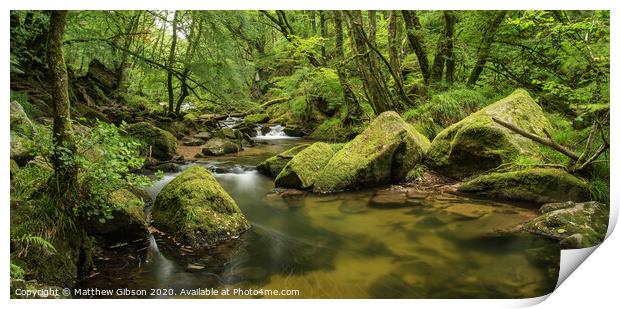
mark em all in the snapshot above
pixel 275 132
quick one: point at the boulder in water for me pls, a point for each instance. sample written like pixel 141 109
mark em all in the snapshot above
pixel 381 154
pixel 477 144
pixel 538 185
pixel 300 172
pixel 205 136
pixel 293 130
pixel 576 225
pixel 218 146
pixel 163 143
pixel 196 210
pixel 274 165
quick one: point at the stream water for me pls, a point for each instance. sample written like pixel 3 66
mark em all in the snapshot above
pixel 379 243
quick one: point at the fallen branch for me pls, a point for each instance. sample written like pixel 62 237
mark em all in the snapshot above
pixel 275 101
pixel 541 140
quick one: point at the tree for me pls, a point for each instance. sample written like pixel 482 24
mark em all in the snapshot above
pixel 65 171
pixel 485 47
pixel 170 63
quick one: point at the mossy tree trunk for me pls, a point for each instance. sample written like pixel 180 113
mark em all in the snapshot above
pixel 170 64
pixel 64 170
pixel 485 47
pixel 413 26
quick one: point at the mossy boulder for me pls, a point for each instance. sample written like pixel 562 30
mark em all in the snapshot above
pixel 218 146
pixel 163 143
pixel 20 123
pixel 301 171
pixel 196 210
pixel 477 144
pixel 18 150
pixel 381 154
pixel 256 118
pixel 205 136
pixel 538 185
pixel 128 222
pixel 274 165
pixel 575 225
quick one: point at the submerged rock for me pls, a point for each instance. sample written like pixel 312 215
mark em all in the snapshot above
pixel 383 153
pixel 196 210
pixel 163 143
pixel 274 165
pixel 218 146
pixel 576 225
pixel 477 144
pixel 538 185
pixel 300 172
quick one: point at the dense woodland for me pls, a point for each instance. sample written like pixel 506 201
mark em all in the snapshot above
pixel 81 78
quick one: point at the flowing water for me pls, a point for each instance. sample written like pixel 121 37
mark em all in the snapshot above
pixel 379 243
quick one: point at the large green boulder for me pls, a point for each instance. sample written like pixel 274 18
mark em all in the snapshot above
pixel 381 154
pixel 196 210
pixel 218 146
pixel 301 171
pixel 576 225
pixel 274 165
pixel 163 143
pixel 538 185
pixel 477 144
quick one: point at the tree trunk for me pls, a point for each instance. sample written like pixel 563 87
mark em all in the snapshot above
pixel 65 173
pixel 323 26
pixel 350 100
pixel 171 57
pixel 415 40
pixel 374 85
pixel 451 19
pixel 485 47
pixel 394 46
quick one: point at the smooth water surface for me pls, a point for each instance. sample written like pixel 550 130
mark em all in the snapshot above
pixel 381 243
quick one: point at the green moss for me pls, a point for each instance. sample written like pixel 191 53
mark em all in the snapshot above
pixel 219 146
pixel 576 225
pixel 274 165
pixel 537 185
pixel 301 171
pixel 163 143
pixel 477 144
pixel 332 130
pixel 383 153
pixel 256 118
pixel 196 210
pixel 128 220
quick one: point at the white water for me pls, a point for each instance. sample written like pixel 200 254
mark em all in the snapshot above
pixel 275 132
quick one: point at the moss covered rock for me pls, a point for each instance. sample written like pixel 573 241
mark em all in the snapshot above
pixel 20 123
pixel 256 118
pixel 576 225
pixel 301 171
pixel 274 165
pixel 196 210
pixel 128 222
pixel 381 154
pixel 538 185
pixel 477 144
pixel 218 146
pixel 163 143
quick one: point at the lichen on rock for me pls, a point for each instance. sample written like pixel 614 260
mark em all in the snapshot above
pixel 218 146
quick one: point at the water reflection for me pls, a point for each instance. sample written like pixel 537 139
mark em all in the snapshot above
pixel 372 243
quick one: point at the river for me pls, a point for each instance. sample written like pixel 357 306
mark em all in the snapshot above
pixel 378 243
